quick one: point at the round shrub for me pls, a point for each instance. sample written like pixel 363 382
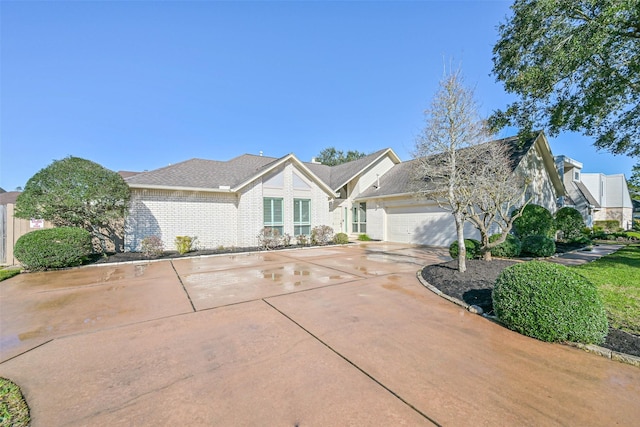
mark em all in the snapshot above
pixel 341 239
pixel 472 245
pixel 53 248
pixel 549 302
pixel 535 220
pixel 538 246
pixel 570 223
pixel 510 248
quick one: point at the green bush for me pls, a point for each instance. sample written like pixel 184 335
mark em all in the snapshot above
pixel 472 245
pixel 184 244
pixel 549 302
pixel 538 246
pixel 535 220
pixel 341 239
pixel 609 225
pixel 364 238
pixel 582 239
pixel 598 233
pixel 570 223
pixel 53 248
pixel 510 248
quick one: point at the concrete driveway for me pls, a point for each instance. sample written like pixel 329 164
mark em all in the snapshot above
pixel 328 336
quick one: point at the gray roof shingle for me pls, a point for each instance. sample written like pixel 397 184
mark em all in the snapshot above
pixel 211 174
pixel 398 179
pixel 200 173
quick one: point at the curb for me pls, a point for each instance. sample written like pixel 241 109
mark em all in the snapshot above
pixel 590 348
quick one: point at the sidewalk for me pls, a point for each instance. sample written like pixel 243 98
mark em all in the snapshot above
pixel 584 256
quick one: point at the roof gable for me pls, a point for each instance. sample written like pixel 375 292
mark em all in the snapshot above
pixel 235 174
pixel 397 181
pixel 217 176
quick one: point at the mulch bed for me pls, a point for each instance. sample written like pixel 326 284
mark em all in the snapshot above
pixel 475 285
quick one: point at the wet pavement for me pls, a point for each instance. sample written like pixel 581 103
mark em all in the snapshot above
pixel 327 336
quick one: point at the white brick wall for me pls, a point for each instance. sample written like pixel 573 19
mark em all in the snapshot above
pixel 217 219
pixel 211 217
pixel 250 218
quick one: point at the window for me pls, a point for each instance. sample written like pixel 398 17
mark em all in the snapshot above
pixel 359 218
pixel 576 176
pixel 301 217
pixel 273 213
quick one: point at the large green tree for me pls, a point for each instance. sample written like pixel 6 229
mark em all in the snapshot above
pixel 575 65
pixel 75 192
pixel 634 182
pixel 331 157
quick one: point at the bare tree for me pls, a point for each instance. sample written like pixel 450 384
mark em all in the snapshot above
pixel 497 190
pixel 446 150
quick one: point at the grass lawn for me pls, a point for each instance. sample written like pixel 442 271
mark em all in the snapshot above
pixel 13 409
pixel 7 273
pixel 618 279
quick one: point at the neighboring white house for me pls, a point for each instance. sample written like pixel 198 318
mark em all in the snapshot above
pixel 228 203
pixel 578 195
pixel 612 194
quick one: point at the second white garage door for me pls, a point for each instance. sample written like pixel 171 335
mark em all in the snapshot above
pixel 423 225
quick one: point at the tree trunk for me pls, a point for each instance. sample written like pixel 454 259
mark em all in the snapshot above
pixel 486 254
pixel 462 249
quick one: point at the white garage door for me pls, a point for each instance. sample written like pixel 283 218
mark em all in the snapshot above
pixel 422 225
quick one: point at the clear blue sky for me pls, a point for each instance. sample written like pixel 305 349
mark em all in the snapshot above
pixel 137 85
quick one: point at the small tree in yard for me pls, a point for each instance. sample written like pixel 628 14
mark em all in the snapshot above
pixel 496 192
pixel 75 192
pixel 446 151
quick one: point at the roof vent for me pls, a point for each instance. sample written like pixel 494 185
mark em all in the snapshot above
pixel 315 162
pixel 260 153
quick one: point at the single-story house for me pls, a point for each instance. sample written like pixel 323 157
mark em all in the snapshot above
pixel 578 195
pixel 228 203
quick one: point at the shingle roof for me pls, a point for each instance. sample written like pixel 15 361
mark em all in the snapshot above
pixel 9 197
pixel 200 173
pixel 211 174
pixel 341 174
pixel 398 179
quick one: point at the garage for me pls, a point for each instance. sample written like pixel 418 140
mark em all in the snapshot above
pixel 423 225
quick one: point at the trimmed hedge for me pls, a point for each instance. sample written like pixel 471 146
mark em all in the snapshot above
pixel 570 223
pixel 510 248
pixel 472 245
pixel 538 246
pixel 53 248
pixel 341 239
pixel 549 302
pixel 535 220
pixel 609 225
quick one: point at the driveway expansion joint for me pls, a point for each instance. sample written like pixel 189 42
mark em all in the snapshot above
pixel 27 351
pixel 368 375
pixel 183 287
